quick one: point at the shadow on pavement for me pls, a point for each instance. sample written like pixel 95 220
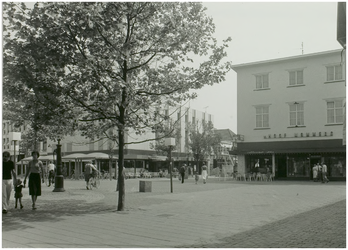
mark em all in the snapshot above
pixel 51 210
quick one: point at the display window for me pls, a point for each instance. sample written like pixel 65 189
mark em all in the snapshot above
pixel 298 166
pixel 336 166
pixel 258 163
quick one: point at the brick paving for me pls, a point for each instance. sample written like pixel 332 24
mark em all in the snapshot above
pixel 323 227
pixel 219 214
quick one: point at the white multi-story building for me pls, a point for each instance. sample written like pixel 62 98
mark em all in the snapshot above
pixel 141 155
pixel 291 114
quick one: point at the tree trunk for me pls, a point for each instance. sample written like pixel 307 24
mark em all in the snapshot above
pixel 120 181
pixel 121 128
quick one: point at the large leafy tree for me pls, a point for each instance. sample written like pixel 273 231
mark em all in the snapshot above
pixel 203 141
pixel 29 97
pixel 116 61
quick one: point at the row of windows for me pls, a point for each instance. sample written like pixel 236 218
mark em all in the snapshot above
pixel 7 128
pixel 296 77
pixel 335 111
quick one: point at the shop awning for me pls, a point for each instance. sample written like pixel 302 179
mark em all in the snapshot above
pixel 41 158
pixel 74 156
pixel 158 157
pixel 90 156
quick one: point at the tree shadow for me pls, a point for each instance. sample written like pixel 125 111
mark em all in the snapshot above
pixel 51 211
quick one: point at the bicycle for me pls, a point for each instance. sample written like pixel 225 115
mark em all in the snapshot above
pixel 94 182
pixel 45 178
pixel 51 178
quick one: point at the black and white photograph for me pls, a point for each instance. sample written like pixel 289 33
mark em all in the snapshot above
pixel 173 124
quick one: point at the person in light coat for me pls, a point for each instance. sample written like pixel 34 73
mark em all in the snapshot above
pixel 315 173
pixel 204 173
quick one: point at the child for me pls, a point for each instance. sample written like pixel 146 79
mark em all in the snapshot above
pixel 196 177
pixel 18 193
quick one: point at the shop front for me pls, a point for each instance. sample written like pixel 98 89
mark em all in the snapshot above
pixel 294 160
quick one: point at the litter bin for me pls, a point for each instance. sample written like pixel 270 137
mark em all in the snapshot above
pixel 145 186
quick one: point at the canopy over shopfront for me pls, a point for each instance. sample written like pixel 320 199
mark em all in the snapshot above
pixel 158 158
pixel 85 157
pixel 41 158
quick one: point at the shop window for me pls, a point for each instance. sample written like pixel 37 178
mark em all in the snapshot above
pixel 258 163
pixel 298 166
pixel 336 166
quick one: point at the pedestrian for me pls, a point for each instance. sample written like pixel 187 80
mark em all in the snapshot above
pixel 182 172
pixel 8 172
pixel 204 173
pixel 257 166
pixel 35 173
pixel 18 193
pixel 324 173
pixel 315 173
pixel 89 168
pixel 51 173
pixel 196 177
pixel 320 171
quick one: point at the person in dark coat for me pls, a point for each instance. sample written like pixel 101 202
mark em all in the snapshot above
pixel 182 172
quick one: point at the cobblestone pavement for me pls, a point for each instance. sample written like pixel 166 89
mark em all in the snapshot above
pixel 219 214
pixel 323 227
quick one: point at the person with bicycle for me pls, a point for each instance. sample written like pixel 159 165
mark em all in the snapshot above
pixel 90 172
pixel 51 173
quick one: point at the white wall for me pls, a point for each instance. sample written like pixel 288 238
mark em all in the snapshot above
pixel 313 94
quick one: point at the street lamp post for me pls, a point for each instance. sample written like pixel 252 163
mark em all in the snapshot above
pixel 197 154
pixel 14 136
pixel 171 143
pixel 59 179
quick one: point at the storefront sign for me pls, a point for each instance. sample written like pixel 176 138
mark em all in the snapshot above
pixel 299 135
pixel 260 152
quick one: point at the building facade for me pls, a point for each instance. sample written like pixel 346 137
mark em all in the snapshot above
pixel 137 155
pixel 291 114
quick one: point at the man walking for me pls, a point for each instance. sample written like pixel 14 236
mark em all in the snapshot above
pixel 8 172
pixel 182 172
pixel 51 173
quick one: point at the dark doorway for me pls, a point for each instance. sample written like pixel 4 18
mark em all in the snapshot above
pixel 281 167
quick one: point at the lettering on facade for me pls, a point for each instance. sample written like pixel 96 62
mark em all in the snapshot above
pixel 312 134
pixel 260 152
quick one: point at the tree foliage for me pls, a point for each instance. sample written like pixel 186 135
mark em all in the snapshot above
pixel 110 65
pixel 203 140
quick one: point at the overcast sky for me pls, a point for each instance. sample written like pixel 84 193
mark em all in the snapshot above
pixel 263 31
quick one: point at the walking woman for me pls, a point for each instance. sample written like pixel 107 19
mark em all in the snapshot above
pixel 204 173
pixel 34 170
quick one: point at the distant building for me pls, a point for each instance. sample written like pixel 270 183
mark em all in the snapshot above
pixel 227 147
pixel 137 156
pixel 291 114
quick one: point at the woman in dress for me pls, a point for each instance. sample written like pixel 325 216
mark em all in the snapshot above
pixel 204 173
pixel 34 171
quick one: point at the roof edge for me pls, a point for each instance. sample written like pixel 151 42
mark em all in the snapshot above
pixel 287 58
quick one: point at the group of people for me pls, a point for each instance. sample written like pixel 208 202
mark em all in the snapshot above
pixel 9 178
pixel 35 174
pixel 320 172
pixel 204 173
